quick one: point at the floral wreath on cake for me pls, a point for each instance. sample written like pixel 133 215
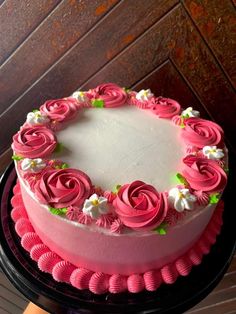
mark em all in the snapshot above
pixel 137 205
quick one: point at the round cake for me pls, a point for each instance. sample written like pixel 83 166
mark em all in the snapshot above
pixel 118 190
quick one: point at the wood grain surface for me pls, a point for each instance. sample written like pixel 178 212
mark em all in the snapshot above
pixel 18 19
pixel 216 22
pixel 165 80
pixel 68 22
pixel 81 44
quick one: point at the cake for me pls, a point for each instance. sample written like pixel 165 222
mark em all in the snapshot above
pixel 118 190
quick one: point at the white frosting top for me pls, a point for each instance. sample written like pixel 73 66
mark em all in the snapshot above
pixel 121 145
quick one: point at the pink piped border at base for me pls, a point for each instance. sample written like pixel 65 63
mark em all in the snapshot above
pixel 98 282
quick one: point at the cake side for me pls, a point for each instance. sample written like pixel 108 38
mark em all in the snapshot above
pixel 98 282
pixel 107 252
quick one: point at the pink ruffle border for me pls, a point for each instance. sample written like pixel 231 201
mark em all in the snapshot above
pixel 98 282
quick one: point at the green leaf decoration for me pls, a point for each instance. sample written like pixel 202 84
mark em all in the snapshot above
pixel 59 148
pixel 214 198
pixel 17 157
pixel 185 116
pixel 182 121
pixel 181 179
pixel 127 90
pixel 54 211
pixel 161 229
pixel 61 166
pixel 115 190
pixel 98 103
pixel 63 210
pixel 58 211
pixel 64 166
pixel 226 170
pixel 35 110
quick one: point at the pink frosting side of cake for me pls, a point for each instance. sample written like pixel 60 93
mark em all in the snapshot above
pixel 99 282
pixel 110 253
pixel 111 94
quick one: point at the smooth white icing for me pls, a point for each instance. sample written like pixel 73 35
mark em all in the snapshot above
pixel 121 145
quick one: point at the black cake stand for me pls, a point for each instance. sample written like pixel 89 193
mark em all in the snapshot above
pixel 59 298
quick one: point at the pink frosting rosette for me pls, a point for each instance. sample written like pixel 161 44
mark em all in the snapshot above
pixel 111 94
pixel 204 174
pixel 165 107
pixel 63 187
pixel 140 206
pixel 34 142
pixel 60 110
pixel 199 132
pixel 31 178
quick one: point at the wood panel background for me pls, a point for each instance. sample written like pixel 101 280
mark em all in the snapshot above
pixel 181 49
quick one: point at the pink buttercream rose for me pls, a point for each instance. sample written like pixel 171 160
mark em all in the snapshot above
pixel 204 174
pixel 63 188
pixel 34 142
pixel 199 132
pixel 111 94
pixel 140 206
pixel 60 110
pixel 165 107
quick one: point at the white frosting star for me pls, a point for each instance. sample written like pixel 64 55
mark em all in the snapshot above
pixel 212 152
pixel 95 206
pixel 181 199
pixel 189 113
pixel 80 96
pixel 33 165
pixel 36 117
pixel 144 95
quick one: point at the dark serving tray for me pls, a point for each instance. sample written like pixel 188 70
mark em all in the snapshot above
pixel 58 298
